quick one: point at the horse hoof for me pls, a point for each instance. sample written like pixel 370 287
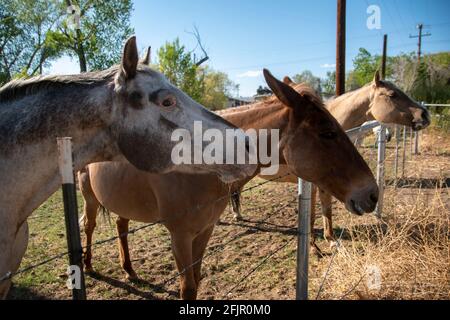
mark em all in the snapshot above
pixel 315 250
pixel 132 277
pixel 89 270
pixel 238 217
pixel 334 245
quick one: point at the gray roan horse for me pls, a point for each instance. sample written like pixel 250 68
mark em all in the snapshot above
pixel 126 112
pixel 310 139
pixel 379 100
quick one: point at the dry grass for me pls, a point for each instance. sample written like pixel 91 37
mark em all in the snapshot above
pixel 410 249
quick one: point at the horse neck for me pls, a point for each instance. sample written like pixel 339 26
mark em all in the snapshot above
pixel 265 115
pixel 28 162
pixel 350 109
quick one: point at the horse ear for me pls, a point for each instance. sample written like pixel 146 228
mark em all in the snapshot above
pixel 285 93
pixel 288 81
pixel 377 78
pixel 130 58
pixel 147 57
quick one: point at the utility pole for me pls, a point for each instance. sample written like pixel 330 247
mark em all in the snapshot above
pixel 383 59
pixel 419 44
pixel 340 47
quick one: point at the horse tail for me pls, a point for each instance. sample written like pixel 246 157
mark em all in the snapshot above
pixel 106 214
pixel 81 221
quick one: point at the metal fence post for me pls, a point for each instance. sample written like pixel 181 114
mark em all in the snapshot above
pixel 416 142
pixel 304 223
pixel 416 136
pixel 380 168
pixel 404 151
pixel 411 141
pixel 71 217
pixel 397 142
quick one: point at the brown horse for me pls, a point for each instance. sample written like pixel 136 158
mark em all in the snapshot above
pixel 312 145
pixel 126 113
pixel 379 100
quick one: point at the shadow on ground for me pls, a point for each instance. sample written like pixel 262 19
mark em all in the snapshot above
pixel 131 287
pixel 421 183
pixel 24 293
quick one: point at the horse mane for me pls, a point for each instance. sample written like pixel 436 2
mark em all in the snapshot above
pixel 239 109
pixel 19 88
pixel 307 91
pixel 384 83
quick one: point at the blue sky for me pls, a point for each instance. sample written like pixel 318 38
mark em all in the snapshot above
pixel 285 36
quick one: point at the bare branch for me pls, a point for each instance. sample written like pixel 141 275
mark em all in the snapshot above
pixel 196 34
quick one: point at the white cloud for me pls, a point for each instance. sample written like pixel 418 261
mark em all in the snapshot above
pixel 250 74
pixel 328 65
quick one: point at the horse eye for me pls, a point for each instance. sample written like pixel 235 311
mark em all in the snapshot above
pixel 328 135
pixel 168 102
pixel 391 94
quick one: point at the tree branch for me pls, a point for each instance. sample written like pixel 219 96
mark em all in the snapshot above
pixel 196 34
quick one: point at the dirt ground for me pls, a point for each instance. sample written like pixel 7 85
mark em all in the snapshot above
pixel 256 258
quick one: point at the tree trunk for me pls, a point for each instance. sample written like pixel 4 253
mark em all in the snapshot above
pixel 81 53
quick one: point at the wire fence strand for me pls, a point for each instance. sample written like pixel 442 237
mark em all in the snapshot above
pixel 10 275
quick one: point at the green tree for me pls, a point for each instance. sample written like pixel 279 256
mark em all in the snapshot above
pixel 432 81
pixel 25 29
pixel 404 71
pixel 178 65
pixel 217 88
pixel 308 77
pixel 365 65
pixel 103 27
pixel 329 83
pixel 261 91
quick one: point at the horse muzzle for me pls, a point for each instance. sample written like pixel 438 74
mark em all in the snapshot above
pixel 363 201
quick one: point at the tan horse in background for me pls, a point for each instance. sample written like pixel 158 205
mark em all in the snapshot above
pixel 190 205
pixel 380 100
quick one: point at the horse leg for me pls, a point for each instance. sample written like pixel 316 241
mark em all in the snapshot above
pixel 198 249
pixel 20 245
pixel 236 204
pixel 314 248
pixel 326 200
pixel 125 261
pixel 182 251
pixel 89 218
pixel 6 243
pixel 13 244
